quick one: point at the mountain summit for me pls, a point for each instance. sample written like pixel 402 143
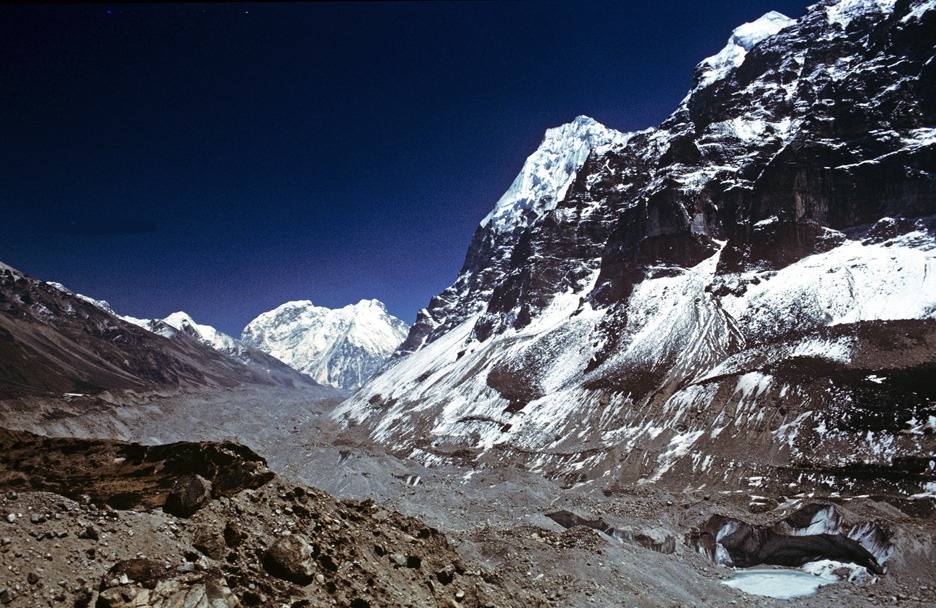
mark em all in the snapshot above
pixel 339 347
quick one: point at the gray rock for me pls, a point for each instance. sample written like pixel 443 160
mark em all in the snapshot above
pixel 399 559
pixel 290 558
pixel 89 533
pixel 184 591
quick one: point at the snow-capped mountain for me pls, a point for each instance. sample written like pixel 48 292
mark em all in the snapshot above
pixel 543 181
pixel 547 173
pixel 339 347
pixel 744 294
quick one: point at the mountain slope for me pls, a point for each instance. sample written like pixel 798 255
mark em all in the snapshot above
pixel 744 292
pixel 53 341
pixel 336 347
pixel 181 323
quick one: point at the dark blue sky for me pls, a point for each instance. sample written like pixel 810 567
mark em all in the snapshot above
pixel 224 159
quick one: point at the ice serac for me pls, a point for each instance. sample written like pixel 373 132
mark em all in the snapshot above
pixel 339 347
pixel 742 296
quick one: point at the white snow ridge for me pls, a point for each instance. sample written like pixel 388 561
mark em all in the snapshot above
pixel 340 347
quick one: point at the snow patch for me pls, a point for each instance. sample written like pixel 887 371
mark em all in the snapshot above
pixel 918 11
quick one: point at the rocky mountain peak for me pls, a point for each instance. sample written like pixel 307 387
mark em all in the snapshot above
pixel 755 262
pixel 203 333
pixel 548 172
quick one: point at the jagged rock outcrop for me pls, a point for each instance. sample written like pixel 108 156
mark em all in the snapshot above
pixel 340 347
pixel 745 292
pixel 180 477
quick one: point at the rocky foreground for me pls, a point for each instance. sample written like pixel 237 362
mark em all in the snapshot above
pixel 116 524
pixel 127 526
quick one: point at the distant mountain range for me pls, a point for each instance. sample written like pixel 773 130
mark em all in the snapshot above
pixel 54 341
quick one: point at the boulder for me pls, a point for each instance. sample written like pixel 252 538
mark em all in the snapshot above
pixel 188 495
pixel 210 543
pixel 290 558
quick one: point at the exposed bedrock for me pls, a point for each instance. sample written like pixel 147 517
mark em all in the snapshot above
pixel 181 476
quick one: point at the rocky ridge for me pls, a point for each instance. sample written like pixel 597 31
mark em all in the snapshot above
pixel 249 540
pixel 56 343
pixel 91 522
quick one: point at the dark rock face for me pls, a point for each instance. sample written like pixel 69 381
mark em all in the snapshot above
pixel 739 276
pixel 809 132
pixel 187 472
